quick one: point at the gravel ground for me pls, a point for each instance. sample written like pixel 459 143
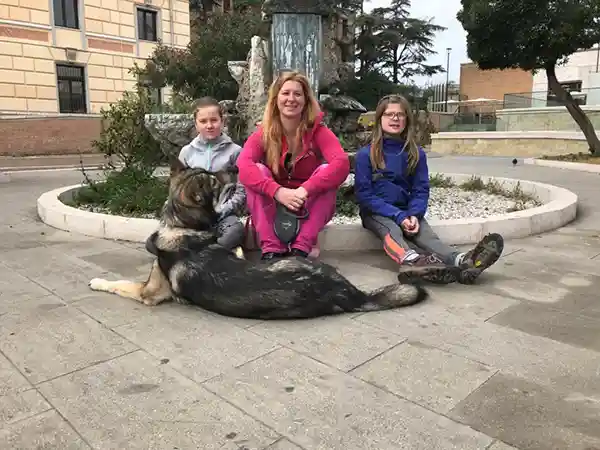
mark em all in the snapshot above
pixel 444 203
pixel 456 203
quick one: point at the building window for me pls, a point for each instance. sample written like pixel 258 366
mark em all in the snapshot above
pixel 146 23
pixel 66 13
pixel 71 89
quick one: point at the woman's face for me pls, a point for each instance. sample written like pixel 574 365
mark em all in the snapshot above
pixel 393 120
pixel 291 100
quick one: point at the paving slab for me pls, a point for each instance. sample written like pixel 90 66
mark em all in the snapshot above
pixel 499 445
pixel 468 301
pixel 43 431
pixel 137 402
pixel 283 444
pixel 61 274
pixel 55 339
pixel 113 311
pixel 425 375
pixel 340 342
pixel 17 406
pixel 129 263
pixel 541 320
pixel 198 345
pixel 436 372
pixel 319 407
pixel 18 399
pixel 532 417
pixel 542 360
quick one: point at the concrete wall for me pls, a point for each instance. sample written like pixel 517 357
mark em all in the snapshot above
pixel 512 144
pixel 492 84
pixel 555 118
pixel 105 44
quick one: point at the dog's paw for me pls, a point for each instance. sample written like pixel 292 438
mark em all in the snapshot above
pixel 97 284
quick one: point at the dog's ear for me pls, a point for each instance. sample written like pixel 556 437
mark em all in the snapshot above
pixel 176 166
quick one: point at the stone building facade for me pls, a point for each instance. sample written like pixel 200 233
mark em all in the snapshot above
pixel 74 56
pixel 61 61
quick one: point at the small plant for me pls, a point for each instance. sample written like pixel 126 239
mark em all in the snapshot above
pixel 132 191
pixel 494 187
pixel 441 181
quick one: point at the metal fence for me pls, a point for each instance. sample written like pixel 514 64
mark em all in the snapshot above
pixel 542 99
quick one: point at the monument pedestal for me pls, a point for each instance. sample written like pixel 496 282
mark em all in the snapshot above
pixel 297 37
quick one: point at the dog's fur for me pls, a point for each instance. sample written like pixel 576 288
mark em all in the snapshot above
pixel 192 268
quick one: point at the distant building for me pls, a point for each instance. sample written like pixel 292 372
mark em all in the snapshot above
pixel 493 84
pixel 580 76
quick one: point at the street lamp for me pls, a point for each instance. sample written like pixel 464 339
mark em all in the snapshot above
pixel 448 50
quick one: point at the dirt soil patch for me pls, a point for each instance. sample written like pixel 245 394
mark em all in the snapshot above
pixel 575 157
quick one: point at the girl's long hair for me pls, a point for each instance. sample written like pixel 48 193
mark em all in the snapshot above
pixel 408 134
pixel 272 129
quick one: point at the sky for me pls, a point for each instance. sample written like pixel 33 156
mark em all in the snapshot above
pixel 443 12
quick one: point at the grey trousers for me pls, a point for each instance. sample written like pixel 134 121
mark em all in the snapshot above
pixel 230 232
pixel 425 239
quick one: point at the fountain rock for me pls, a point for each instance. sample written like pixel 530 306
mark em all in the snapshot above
pixel 252 77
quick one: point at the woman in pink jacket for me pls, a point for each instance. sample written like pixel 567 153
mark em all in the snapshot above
pixel 291 167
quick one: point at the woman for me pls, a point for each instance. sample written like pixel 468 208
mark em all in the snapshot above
pixel 392 190
pixel 291 167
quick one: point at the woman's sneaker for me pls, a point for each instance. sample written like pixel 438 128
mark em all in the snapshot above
pixel 485 254
pixel 428 267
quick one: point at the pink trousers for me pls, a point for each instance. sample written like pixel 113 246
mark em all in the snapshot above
pixel 321 209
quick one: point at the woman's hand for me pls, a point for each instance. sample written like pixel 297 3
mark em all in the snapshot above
pixel 291 198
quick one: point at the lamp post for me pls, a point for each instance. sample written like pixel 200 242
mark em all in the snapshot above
pixel 447 78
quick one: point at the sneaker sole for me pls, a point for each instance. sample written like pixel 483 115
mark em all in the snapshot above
pixel 433 274
pixel 486 255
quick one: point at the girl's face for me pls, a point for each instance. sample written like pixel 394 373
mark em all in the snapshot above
pixel 393 120
pixel 291 100
pixel 208 122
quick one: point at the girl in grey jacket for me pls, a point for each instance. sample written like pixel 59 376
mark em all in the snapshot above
pixel 212 150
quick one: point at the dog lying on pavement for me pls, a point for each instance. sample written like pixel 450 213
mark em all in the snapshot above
pixel 191 268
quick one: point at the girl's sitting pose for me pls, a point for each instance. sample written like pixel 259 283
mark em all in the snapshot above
pixel 392 191
pixel 291 166
pixel 212 150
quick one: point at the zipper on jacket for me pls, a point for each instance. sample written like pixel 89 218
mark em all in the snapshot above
pixel 209 161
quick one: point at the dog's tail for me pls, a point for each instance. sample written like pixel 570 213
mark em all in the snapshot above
pixel 393 296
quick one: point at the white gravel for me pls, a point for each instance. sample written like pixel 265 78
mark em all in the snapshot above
pixel 444 203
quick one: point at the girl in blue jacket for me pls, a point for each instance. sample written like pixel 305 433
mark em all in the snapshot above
pixel 392 191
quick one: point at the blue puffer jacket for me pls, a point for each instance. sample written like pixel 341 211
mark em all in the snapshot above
pixel 390 192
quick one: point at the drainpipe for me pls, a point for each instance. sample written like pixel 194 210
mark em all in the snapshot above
pixel 171 23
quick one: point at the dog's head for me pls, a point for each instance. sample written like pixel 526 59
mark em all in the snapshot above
pixel 194 195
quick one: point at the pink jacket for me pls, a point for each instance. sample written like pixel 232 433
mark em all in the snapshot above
pixel 319 145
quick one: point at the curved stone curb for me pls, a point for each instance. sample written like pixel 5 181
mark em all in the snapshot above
pixel 581 167
pixel 559 208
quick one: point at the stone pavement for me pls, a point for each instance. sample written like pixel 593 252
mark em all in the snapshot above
pixel 513 362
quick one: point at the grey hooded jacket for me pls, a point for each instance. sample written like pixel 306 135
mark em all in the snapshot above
pixel 219 154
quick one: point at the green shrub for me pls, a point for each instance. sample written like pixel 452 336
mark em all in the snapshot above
pixel 123 133
pixel 133 192
pixel 128 187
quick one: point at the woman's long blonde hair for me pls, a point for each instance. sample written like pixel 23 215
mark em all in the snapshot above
pixel 408 134
pixel 272 129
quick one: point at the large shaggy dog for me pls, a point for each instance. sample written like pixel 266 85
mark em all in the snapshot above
pixel 190 267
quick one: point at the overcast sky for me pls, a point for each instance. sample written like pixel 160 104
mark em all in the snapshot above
pixel 443 12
